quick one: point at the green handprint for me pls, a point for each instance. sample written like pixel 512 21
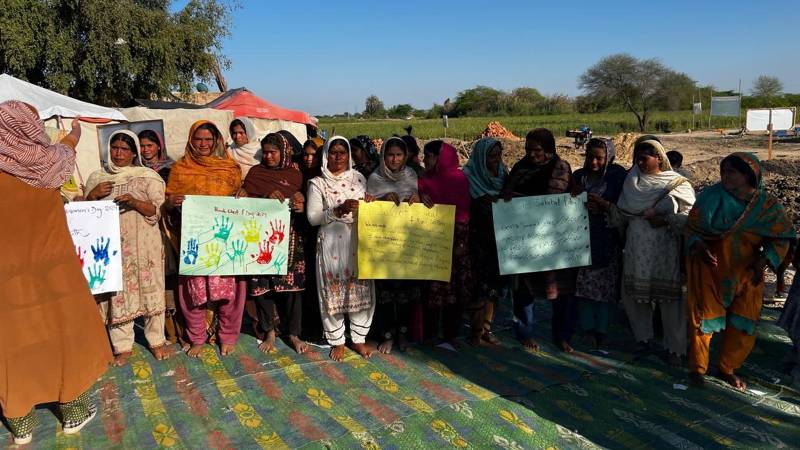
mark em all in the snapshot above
pixel 97 276
pixel 278 263
pixel 223 226
pixel 212 256
pixel 252 231
pixel 238 247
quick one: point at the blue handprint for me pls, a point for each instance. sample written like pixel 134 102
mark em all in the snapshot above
pixel 238 247
pixel 100 251
pixel 223 226
pixel 97 276
pixel 278 263
pixel 190 254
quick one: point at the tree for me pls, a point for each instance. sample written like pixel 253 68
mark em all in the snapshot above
pixel 767 87
pixel 109 52
pixel 400 111
pixel 480 100
pixel 635 83
pixel 374 107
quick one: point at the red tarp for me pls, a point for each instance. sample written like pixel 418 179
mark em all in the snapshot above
pixel 244 103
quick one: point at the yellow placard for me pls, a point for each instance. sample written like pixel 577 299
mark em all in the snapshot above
pixel 405 242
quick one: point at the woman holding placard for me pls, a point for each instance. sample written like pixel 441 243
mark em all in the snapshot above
pixel 139 192
pixel 206 169
pixel 443 182
pixel 654 205
pixel 542 172
pixel 53 345
pixel 486 174
pixel 394 182
pixel 333 199
pixel 276 178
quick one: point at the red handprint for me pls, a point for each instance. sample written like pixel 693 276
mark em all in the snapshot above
pixel 81 255
pixel 278 232
pixel 265 249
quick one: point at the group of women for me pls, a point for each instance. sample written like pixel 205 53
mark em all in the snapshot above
pixel 655 246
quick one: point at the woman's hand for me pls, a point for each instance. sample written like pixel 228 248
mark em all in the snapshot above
pixel 413 199
pixel 700 249
pixel 427 201
pixel 576 190
pixel 241 193
pixel 128 201
pixel 277 195
pixel 506 195
pixel 102 190
pixel 392 197
pixel 298 202
pixel 348 207
pixel 368 198
pixel 174 200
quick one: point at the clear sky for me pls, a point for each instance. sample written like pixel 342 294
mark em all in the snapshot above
pixel 328 56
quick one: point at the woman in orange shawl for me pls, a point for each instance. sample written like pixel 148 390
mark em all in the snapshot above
pixel 206 169
pixel 53 345
pixel 735 230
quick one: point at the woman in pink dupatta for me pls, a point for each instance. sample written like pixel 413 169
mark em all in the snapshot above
pixel 443 182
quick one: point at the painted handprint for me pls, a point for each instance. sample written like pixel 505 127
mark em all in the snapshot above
pixel 278 232
pixel 223 226
pixel 251 232
pixel 238 248
pixel 190 254
pixel 81 255
pixel 213 255
pixel 97 276
pixel 278 263
pixel 100 251
pixel 265 249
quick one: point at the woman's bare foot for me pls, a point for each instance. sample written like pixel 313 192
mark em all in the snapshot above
pixel 733 380
pixel 162 352
pixel 299 345
pixel 565 347
pixel 402 342
pixel 337 352
pixel 195 350
pixel 386 346
pixel 490 338
pixel 268 344
pixel 531 344
pixel 226 349
pixel 121 359
pixel 364 350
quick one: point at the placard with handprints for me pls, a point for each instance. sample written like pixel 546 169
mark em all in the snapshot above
pixel 94 227
pixel 230 236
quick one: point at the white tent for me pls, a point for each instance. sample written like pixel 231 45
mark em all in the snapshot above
pixel 52 104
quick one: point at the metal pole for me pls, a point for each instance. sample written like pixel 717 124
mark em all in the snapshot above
pixel 740 103
pixel 769 129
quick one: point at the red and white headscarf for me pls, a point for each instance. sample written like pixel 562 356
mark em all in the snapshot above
pixel 26 151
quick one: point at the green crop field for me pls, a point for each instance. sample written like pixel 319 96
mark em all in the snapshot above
pixel 467 128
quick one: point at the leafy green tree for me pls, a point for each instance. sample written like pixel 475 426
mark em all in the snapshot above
pixel 480 100
pixel 109 52
pixel 400 111
pixel 373 107
pixel 767 87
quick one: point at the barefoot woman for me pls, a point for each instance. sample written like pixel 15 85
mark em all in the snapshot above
pixel 206 169
pixel 333 204
pixel 736 229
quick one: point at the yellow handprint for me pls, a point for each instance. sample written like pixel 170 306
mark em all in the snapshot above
pixel 212 256
pixel 252 231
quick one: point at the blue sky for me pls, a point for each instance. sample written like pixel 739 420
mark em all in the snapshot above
pixel 327 57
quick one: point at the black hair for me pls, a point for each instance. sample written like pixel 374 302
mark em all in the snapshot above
pixel 150 135
pixel 543 137
pixel 434 147
pixel 596 143
pixel 396 143
pixel 675 158
pixel 210 127
pixel 411 143
pixel 241 124
pixel 742 167
pixel 646 148
pixel 310 143
pixel 341 142
pixel 355 143
pixel 273 139
pixel 294 144
pixel 124 138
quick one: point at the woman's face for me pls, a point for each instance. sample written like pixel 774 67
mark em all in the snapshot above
pixel 149 149
pixel 536 152
pixel 597 159
pixel 271 155
pixel 239 135
pixel 494 158
pixel 203 142
pixel 430 159
pixel 395 158
pixel 309 157
pixel 121 153
pixel 359 155
pixel 338 159
pixel 648 164
pixel 732 179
